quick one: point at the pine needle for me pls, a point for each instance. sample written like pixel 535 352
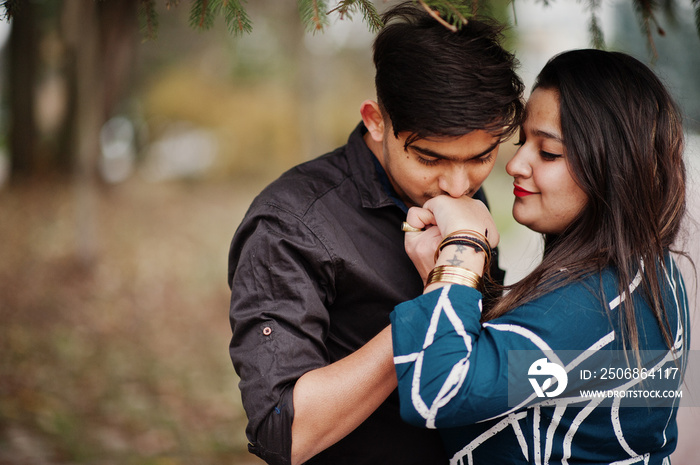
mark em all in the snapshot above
pixel 237 19
pixel 148 19
pixel 645 13
pixel 437 16
pixel 371 17
pixel 313 14
pixel 453 14
pixel 203 13
pixel 12 7
pixel 597 39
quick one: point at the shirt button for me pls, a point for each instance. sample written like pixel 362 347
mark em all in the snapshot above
pixel 267 330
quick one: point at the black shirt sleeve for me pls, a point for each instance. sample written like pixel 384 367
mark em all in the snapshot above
pixel 280 277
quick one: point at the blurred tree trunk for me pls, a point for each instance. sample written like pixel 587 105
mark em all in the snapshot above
pixel 100 43
pixel 91 48
pixel 72 28
pixel 22 66
pixel 81 29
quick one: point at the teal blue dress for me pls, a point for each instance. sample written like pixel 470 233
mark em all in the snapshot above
pixel 549 382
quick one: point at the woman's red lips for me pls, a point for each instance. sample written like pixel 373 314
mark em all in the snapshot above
pixel 520 192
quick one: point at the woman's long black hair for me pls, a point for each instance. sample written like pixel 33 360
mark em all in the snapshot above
pixel 623 138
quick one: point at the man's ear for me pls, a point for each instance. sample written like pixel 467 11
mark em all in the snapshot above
pixel 373 119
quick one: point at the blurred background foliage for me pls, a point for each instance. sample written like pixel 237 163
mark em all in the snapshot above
pixel 128 158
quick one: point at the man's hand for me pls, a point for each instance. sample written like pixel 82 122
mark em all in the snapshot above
pixel 421 246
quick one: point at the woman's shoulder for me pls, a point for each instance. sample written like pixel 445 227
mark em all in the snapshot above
pixel 586 292
pixel 572 316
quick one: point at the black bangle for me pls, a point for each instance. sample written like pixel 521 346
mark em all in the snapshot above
pixel 472 242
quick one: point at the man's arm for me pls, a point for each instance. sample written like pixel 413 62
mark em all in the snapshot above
pixel 282 279
pixel 332 401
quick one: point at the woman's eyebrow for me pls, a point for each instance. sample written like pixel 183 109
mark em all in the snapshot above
pixel 548 135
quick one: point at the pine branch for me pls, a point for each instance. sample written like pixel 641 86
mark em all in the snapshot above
pixel 453 14
pixel 369 12
pixel 457 17
pixel 12 7
pixel 670 10
pixel 594 28
pixel 344 9
pixel 236 17
pixel 313 14
pixel 597 38
pixel 370 15
pixel 645 12
pixel 437 16
pixel 148 19
pixel 203 13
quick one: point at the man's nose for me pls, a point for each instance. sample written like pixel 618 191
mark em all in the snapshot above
pixel 455 182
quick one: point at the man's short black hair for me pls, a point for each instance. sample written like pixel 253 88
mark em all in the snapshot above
pixel 435 82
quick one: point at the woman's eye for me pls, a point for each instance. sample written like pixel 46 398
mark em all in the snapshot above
pixel 549 155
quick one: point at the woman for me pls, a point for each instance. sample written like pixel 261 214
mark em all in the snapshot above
pixel 599 172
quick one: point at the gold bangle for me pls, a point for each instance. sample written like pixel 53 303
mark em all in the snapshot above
pixel 454 275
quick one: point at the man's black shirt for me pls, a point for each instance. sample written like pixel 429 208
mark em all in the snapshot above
pixel 315 268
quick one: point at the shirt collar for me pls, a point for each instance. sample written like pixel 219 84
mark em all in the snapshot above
pixel 369 175
pixel 386 185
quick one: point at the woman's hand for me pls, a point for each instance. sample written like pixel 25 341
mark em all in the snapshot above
pixel 439 217
pixel 452 214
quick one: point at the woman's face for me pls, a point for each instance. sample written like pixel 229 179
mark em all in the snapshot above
pixel 547 199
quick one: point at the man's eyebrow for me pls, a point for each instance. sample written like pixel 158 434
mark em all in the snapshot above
pixel 433 154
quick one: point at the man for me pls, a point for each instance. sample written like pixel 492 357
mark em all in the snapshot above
pixel 318 262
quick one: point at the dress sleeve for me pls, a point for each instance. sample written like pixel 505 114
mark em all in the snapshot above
pixel 454 371
pixel 280 277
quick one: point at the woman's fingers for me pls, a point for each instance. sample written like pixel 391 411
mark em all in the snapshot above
pixel 453 214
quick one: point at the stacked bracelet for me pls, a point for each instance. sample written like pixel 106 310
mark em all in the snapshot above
pixel 454 275
pixel 469 238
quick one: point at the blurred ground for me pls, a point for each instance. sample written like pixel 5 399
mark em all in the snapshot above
pixel 124 362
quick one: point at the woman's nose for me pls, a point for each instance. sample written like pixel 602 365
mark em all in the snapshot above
pixel 518 166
